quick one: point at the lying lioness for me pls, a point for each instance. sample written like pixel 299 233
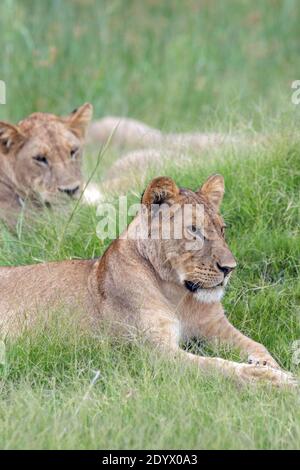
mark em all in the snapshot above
pixel 40 158
pixel 165 288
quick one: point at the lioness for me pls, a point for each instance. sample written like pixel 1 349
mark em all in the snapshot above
pixel 40 158
pixel 167 289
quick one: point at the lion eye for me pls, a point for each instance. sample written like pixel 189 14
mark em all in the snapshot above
pixel 74 152
pixel 41 159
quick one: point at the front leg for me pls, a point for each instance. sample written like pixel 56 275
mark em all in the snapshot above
pixel 162 329
pixel 210 322
pixel 240 372
pixel 216 326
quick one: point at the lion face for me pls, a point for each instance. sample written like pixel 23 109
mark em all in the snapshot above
pixel 45 153
pixel 195 255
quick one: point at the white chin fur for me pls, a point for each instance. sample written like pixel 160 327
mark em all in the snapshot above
pixel 209 296
pixel 92 195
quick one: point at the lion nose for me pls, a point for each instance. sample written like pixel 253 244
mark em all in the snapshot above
pixel 226 269
pixel 69 191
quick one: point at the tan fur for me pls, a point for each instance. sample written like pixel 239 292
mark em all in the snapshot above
pixel 165 289
pixel 131 171
pixel 133 134
pixel 40 158
pixel 151 148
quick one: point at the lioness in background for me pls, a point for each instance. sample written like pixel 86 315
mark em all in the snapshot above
pixel 39 159
pixel 167 289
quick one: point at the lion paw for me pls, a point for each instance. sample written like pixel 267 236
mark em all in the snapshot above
pixel 279 378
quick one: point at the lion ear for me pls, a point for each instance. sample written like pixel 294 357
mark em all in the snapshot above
pixel 79 119
pixel 160 190
pixel 10 136
pixel 213 189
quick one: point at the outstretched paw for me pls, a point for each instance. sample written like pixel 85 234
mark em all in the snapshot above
pixel 279 378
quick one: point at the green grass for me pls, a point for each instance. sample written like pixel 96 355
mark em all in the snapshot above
pixel 178 65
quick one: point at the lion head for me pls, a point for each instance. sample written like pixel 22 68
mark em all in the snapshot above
pixel 43 153
pixel 193 253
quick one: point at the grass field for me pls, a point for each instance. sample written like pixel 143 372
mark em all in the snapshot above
pixel 193 65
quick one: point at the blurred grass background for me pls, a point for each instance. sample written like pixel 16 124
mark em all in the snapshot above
pixel 178 65
pixel 192 64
